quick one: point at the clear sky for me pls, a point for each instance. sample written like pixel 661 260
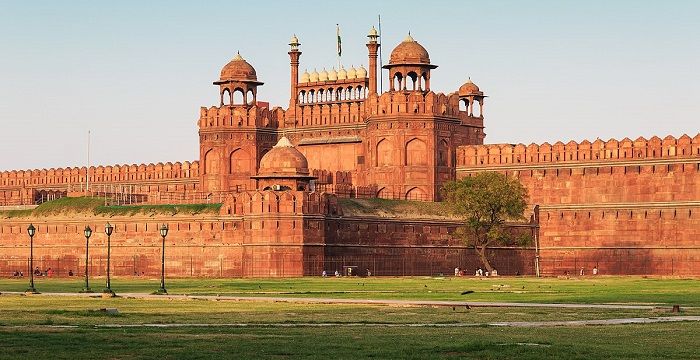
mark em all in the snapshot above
pixel 135 73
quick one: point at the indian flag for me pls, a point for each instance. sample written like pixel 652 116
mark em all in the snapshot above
pixel 337 32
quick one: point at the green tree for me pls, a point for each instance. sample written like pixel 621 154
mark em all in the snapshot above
pixel 486 201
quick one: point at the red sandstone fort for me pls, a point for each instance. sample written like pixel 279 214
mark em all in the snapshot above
pixel 624 206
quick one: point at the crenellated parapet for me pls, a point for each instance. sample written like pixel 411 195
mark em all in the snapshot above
pixel 47 178
pixel 233 117
pixel 585 151
pixel 272 203
pixel 421 103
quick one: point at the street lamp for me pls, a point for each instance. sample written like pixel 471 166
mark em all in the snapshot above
pixel 108 230
pixel 87 232
pixel 31 230
pixel 163 233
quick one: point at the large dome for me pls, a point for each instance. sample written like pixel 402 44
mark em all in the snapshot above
pixel 409 51
pixel 284 160
pixel 238 69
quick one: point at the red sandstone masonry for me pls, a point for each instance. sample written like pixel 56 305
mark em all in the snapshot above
pixel 627 207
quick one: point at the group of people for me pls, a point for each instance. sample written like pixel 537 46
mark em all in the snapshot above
pixel 479 272
pixel 38 272
pixel 582 271
pixel 350 273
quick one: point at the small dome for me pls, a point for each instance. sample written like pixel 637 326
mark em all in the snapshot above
pixel 469 88
pixel 294 40
pixel 323 75
pixel 409 51
pixel 342 74
pixel 372 32
pixel 314 76
pixel 361 72
pixel 333 75
pixel 238 69
pixel 305 77
pixel 283 160
pixel 352 73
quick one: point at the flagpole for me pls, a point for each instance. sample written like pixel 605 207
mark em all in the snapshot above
pixel 87 172
pixel 338 44
pixel 381 77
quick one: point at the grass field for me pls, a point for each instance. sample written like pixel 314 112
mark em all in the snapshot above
pixel 75 327
pixel 633 290
pixel 95 206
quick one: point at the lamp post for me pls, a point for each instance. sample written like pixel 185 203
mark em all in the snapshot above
pixel 163 233
pixel 108 290
pixel 87 233
pixel 31 230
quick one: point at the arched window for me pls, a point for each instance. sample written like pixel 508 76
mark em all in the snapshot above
pixel 385 153
pixel 443 153
pixel 238 97
pixel 226 97
pixel 416 152
pixel 239 162
pixel 211 166
pixel 397 81
pixel 414 81
pixel 416 193
pixel 463 104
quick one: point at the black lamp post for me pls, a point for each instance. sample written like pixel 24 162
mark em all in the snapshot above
pixel 31 230
pixel 108 230
pixel 163 233
pixel 87 233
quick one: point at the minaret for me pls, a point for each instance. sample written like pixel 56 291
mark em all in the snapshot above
pixel 373 47
pixel 294 55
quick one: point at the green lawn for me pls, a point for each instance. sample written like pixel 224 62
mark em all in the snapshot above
pixel 95 206
pixel 658 341
pixel 632 290
pixel 60 327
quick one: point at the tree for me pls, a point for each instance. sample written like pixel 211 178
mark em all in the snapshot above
pixel 486 201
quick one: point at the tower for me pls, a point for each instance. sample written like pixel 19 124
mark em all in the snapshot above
pixel 373 47
pixel 469 94
pixel 234 135
pixel 294 55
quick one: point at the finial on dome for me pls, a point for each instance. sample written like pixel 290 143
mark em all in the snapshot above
pixel 238 56
pixel 283 142
pixel 373 34
pixel 294 43
pixel 408 38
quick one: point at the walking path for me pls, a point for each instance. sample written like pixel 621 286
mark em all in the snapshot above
pixel 526 324
pixel 316 300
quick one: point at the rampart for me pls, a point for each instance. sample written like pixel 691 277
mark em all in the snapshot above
pixel 261 233
pixel 624 206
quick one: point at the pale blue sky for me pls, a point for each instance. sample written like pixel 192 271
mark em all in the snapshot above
pixel 136 72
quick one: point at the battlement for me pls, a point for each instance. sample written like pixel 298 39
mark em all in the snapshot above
pixel 421 103
pixel 240 116
pixel 100 174
pixel 289 202
pixel 585 151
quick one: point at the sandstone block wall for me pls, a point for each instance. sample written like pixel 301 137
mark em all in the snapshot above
pixel 627 207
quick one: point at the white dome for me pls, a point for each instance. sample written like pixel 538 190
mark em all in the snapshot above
pixel 352 73
pixel 372 32
pixel 342 75
pixel 305 77
pixel 333 75
pixel 314 76
pixel 361 72
pixel 323 75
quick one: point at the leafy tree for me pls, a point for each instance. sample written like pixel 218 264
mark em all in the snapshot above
pixel 486 201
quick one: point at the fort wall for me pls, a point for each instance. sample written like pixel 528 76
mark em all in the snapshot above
pixel 263 233
pixel 625 206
